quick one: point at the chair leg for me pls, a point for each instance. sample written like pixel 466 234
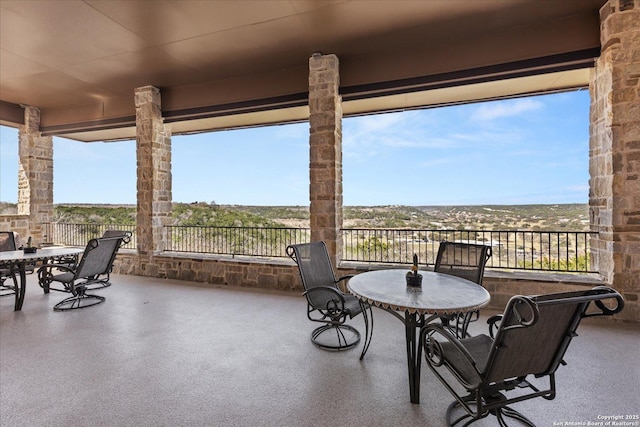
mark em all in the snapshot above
pixel 465 416
pixel 6 290
pixel 512 413
pixel 500 413
pixel 344 338
pixel 368 327
pixel 79 300
pixel 44 279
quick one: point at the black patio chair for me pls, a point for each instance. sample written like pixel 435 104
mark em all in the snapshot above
pixel 467 261
pixel 96 261
pixel 518 360
pixel 326 302
pixel 69 263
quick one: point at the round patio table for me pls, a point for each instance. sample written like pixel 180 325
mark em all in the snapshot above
pixel 440 294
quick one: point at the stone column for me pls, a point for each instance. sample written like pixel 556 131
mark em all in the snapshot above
pixel 153 151
pixel 614 166
pixel 35 176
pixel 325 157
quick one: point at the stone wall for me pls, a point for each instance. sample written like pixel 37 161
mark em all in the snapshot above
pixel 283 275
pixel 16 223
pixel 153 151
pixel 614 196
pixel 243 272
pixel 325 153
pixel 35 176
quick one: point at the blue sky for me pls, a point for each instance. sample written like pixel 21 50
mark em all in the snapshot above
pixel 521 151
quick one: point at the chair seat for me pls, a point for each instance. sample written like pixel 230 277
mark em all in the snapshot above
pixel 63 277
pixel 479 348
pixel 352 305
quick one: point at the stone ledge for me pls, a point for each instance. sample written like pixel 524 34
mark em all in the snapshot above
pixel 590 279
pixel 241 259
pixel 584 279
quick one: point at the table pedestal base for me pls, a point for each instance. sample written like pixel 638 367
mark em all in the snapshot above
pixel 412 323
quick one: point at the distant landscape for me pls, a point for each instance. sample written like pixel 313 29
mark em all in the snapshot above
pixel 557 217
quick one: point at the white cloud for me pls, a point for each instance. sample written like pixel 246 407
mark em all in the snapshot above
pixel 508 108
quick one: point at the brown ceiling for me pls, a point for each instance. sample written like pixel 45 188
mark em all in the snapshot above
pixel 237 63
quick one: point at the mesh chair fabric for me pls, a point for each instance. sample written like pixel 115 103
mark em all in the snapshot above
pixel 462 260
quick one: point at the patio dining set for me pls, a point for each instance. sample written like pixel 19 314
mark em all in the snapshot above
pixel 516 360
pixel 64 269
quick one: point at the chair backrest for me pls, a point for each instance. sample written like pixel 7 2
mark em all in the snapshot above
pixel 7 241
pixel 126 235
pixel 535 332
pixel 116 233
pixel 98 257
pixel 464 260
pixel 315 269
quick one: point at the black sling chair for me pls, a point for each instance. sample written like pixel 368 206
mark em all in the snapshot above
pixel 326 302
pixel 97 261
pixel 518 359
pixel 465 260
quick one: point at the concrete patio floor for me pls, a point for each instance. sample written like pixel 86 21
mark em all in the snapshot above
pixel 170 353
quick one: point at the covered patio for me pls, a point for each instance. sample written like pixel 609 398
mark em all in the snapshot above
pixel 167 352
pixel 104 71
pixel 228 343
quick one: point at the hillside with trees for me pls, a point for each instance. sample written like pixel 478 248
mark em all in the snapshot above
pixel 574 217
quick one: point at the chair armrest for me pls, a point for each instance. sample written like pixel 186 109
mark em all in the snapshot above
pixel 435 354
pixel 494 324
pixel 341 285
pixel 60 267
pixel 606 293
pixel 334 307
pixel 331 289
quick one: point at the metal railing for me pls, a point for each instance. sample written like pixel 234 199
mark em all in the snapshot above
pixel 565 251
pixel 79 234
pixel 555 251
pixel 249 241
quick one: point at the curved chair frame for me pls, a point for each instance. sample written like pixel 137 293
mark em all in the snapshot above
pixel 527 341
pixel 97 260
pixel 70 263
pixel 326 302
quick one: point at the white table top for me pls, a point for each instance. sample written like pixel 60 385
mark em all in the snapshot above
pixel 41 254
pixel 440 293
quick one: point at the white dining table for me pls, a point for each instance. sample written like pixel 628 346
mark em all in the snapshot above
pixel 16 262
pixel 440 294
